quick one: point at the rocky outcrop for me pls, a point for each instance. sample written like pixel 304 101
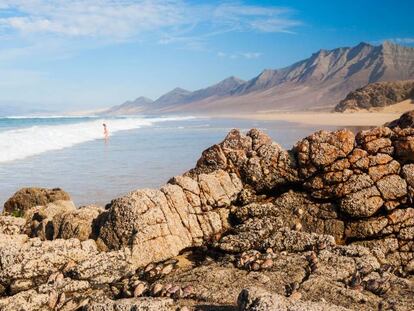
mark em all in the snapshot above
pixel 158 224
pixel 328 224
pixel 405 121
pixel 377 95
pixel 27 198
pixel 255 299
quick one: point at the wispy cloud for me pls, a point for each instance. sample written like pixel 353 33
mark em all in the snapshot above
pixel 246 55
pixel 402 40
pixel 121 19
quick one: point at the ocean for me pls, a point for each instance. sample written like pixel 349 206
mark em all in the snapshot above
pixel 141 152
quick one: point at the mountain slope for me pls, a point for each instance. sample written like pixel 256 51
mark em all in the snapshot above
pixel 316 83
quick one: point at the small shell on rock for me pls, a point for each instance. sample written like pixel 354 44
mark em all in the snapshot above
pixel 269 250
pixel 140 289
pixel 298 226
pixel 167 269
pixel 157 289
pixel 188 291
pixel 267 264
pixel 53 299
pixel 59 278
pixel 149 267
pixel 52 278
pixel 283 253
pixel 173 289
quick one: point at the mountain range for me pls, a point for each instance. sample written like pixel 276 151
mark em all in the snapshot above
pixel 317 83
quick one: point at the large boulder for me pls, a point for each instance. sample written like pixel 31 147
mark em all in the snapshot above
pixel 254 157
pixel 82 223
pixel 39 219
pixel 26 198
pixel 158 224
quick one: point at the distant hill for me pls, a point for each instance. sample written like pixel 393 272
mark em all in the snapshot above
pixel 316 83
pixel 377 95
pixel 130 107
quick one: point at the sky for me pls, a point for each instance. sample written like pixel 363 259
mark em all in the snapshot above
pixel 75 55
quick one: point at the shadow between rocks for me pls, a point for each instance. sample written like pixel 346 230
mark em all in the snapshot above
pixel 215 308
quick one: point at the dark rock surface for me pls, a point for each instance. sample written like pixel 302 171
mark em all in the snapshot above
pixel 27 198
pixel 328 225
pixel 377 95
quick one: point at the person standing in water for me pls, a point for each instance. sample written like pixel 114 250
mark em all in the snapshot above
pixel 106 132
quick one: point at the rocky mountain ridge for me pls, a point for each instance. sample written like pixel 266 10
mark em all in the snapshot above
pixel 327 225
pixel 316 83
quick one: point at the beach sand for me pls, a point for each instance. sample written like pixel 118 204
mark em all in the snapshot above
pixel 360 118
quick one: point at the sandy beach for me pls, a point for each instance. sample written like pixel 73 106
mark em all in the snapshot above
pixel 326 118
pixel 360 118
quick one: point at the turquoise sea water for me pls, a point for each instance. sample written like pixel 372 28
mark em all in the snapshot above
pixel 71 153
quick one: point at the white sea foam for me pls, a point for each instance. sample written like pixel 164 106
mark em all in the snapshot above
pixel 25 142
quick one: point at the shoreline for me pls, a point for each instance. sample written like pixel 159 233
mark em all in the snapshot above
pixel 320 118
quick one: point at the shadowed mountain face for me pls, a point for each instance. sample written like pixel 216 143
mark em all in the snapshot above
pixel 316 83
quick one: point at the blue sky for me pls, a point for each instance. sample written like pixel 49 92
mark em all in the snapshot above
pixel 85 54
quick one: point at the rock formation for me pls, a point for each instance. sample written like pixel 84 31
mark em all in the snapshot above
pixel 377 95
pixel 327 225
pixel 27 198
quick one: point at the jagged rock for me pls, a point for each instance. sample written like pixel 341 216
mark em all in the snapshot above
pixel 256 299
pixel 326 225
pixel 253 157
pixel 158 224
pixel 103 268
pixel 39 219
pixel 81 223
pixel 133 304
pixel 404 144
pixel 322 149
pixel 27 198
pixel 11 225
pixel 34 261
pixel 362 203
pixel 408 174
pixel 405 121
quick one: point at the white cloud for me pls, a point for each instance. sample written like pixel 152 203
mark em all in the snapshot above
pixel 122 19
pixel 246 55
pixel 251 55
pixel 402 40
